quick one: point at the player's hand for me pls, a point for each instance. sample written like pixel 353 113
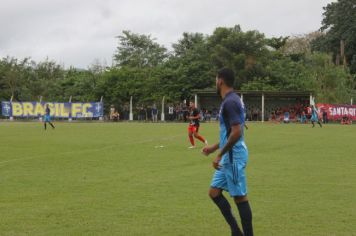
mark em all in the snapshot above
pixel 207 150
pixel 216 162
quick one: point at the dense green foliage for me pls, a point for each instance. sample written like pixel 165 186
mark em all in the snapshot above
pixel 65 182
pixel 339 24
pixel 148 71
pixel 339 38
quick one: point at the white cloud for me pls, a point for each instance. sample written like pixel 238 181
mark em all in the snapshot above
pixel 76 32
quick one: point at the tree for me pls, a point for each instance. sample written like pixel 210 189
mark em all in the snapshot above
pixel 298 46
pixel 45 80
pixel 191 65
pixel 14 75
pixel 277 43
pixel 330 82
pixel 246 53
pixel 339 23
pixel 139 51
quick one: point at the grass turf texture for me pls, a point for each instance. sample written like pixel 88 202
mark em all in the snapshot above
pixel 114 179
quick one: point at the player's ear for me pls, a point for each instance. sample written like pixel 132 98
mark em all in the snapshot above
pixel 220 82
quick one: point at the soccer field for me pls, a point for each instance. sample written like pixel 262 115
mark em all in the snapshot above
pixel 140 179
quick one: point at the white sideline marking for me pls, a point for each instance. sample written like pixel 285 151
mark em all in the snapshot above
pixel 91 150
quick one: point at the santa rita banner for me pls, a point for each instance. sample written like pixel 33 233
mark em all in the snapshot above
pixel 337 112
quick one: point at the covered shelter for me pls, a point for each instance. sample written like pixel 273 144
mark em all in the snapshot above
pixel 259 105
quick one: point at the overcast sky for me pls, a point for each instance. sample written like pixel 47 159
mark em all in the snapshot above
pixel 77 32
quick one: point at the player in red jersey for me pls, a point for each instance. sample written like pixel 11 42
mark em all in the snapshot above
pixel 193 128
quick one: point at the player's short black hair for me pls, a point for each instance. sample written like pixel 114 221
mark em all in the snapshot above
pixel 227 75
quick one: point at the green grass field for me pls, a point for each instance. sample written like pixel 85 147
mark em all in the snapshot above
pixel 114 179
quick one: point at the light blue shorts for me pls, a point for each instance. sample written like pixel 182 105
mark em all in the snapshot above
pixel 314 118
pixel 47 118
pixel 231 178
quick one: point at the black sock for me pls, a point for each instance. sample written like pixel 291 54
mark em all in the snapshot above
pixel 51 125
pixel 246 217
pixel 225 209
pixel 45 125
pixel 319 123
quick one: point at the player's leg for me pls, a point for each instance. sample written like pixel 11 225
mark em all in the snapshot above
pixel 191 139
pixel 46 119
pixel 51 125
pixel 198 136
pixel 236 182
pixel 190 135
pixel 319 123
pixel 245 214
pixel 215 193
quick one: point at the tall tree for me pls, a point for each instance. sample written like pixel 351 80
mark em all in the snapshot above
pixel 298 46
pixel 339 23
pixel 138 50
pixel 191 63
pixel 277 43
pixel 245 52
pixel 13 77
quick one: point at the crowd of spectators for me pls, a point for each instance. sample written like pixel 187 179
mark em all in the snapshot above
pixel 298 112
pixel 173 112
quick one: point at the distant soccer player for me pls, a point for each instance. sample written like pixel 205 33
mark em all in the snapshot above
pixel 231 160
pixel 47 118
pixel 315 118
pixel 193 127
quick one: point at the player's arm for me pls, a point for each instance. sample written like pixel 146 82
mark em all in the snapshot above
pixel 210 149
pixel 234 136
pixel 194 117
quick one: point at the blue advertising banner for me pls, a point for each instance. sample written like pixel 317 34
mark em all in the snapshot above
pixel 58 110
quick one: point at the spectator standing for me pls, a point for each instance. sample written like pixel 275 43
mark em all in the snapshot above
pixel 154 113
pixel 112 111
pixel 171 113
pixel 185 112
pixel 325 116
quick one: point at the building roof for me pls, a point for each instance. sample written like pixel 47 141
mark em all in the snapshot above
pixel 212 92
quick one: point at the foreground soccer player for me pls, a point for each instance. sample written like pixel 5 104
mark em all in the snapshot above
pixel 231 159
pixel 47 118
pixel 193 127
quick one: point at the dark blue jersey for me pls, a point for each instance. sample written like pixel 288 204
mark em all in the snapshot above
pixel 194 112
pixel 232 113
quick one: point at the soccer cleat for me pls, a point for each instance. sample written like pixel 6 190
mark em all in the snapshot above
pixel 191 147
